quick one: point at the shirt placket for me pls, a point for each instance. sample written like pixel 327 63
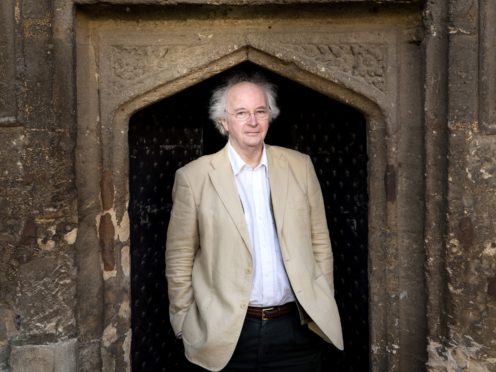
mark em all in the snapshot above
pixel 261 225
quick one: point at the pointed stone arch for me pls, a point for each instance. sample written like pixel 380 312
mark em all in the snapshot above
pixel 120 73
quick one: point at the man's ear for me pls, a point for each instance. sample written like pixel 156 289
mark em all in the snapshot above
pixel 223 122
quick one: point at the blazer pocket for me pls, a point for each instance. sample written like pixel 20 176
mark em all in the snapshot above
pixel 193 326
pixel 191 329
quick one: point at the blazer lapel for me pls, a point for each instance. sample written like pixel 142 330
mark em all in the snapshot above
pixel 222 178
pixel 278 179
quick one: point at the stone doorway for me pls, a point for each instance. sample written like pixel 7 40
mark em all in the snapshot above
pixel 169 133
pixel 131 58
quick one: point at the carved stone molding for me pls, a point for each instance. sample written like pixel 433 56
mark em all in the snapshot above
pixel 133 62
pixel 366 62
pixel 125 67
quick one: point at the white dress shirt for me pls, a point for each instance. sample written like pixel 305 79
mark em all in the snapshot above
pixel 270 285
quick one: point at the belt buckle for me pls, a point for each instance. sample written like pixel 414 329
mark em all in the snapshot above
pixel 264 316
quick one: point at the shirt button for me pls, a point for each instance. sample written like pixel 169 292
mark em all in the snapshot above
pixel 248 271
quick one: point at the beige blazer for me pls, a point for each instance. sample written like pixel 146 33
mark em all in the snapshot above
pixel 208 255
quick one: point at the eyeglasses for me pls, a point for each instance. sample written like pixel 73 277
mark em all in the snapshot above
pixel 244 115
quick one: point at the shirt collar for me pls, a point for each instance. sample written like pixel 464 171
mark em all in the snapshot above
pixel 237 163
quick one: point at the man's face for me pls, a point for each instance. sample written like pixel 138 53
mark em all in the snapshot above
pixel 246 135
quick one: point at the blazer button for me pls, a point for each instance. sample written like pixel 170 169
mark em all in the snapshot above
pixel 243 306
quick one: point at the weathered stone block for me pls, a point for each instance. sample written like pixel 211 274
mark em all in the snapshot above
pixel 7 330
pixel 36 8
pixel 11 153
pixel 7 65
pixel 487 65
pixel 90 358
pixel 46 293
pixel 44 358
pixel 464 78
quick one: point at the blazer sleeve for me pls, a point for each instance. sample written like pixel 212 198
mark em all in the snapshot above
pixel 181 246
pixel 321 242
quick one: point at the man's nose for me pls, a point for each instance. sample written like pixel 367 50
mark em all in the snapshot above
pixel 252 120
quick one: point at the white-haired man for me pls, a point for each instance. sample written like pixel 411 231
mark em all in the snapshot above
pixel 248 254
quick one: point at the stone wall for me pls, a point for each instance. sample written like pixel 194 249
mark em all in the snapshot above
pixel 38 213
pixel 56 303
pixel 462 268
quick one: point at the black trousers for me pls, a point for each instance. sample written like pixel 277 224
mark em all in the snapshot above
pixel 276 345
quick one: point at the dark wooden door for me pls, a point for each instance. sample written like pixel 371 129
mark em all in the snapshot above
pixel 176 130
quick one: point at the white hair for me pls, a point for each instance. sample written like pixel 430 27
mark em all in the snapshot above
pixel 218 101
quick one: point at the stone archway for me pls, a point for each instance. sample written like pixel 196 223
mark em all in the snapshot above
pixel 124 66
pixel 173 131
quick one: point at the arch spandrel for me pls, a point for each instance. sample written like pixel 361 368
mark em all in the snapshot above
pixel 149 64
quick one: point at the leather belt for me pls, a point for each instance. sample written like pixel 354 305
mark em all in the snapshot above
pixel 266 313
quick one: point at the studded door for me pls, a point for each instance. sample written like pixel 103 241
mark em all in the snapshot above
pixel 176 130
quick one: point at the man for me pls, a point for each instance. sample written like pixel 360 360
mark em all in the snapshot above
pixel 248 254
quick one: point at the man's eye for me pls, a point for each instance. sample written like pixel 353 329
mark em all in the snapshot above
pixel 242 114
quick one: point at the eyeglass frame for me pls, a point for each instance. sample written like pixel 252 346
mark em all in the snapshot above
pixel 250 114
